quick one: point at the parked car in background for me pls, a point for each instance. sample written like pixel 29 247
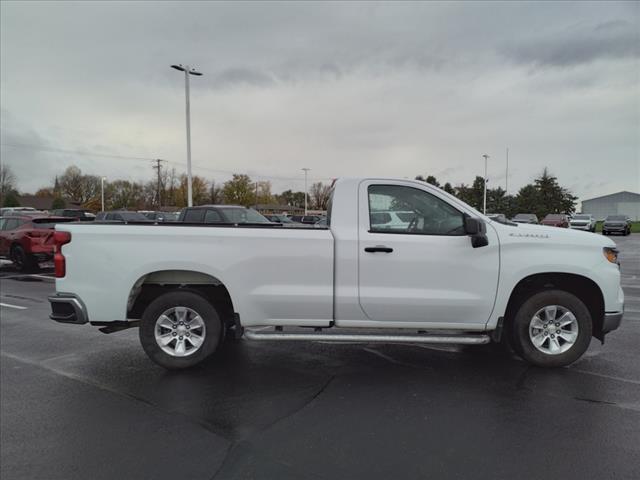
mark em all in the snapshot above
pixel 122 216
pixel 583 221
pixel 498 217
pixel 308 219
pixel 28 239
pixel 75 213
pixel 17 210
pixel 279 218
pixel 323 223
pixel 556 220
pixel 229 214
pixel 616 224
pixel 162 217
pixel 525 218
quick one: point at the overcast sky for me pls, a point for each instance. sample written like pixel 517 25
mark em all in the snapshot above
pixel 390 89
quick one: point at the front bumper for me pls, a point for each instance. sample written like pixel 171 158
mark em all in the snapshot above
pixel 614 228
pixel 67 308
pixel 580 227
pixel 611 321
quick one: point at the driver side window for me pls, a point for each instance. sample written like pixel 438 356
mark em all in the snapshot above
pixel 408 210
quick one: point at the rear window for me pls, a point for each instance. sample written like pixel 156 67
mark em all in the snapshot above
pixel 193 216
pixel 616 217
pixel 243 215
pixel 212 217
pixel 554 217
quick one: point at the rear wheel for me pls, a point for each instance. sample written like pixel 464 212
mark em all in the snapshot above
pixel 180 329
pixel 22 260
pixel 551 329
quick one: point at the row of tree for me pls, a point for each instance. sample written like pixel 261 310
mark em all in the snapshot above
pixel 169 189
pixel 541 197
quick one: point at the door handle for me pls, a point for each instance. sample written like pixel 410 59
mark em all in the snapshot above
pixel 379 248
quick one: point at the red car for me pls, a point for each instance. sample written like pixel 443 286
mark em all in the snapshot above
pixel 28 239
pixel 556 220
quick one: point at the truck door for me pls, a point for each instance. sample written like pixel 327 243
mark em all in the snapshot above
pixel 416 264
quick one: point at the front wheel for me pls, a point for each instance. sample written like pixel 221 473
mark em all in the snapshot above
pixel 552 329
pixel 179 329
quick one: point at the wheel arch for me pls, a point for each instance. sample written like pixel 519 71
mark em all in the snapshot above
pixel 153 284
pixel 582 287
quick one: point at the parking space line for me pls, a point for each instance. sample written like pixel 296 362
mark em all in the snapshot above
pixel 17 307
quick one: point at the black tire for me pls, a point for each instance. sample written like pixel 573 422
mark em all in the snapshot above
pixel 23 261
pixel 520 338
pixel 194 301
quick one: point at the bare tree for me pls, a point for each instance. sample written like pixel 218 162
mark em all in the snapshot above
pixel 7 181
pixel 319 194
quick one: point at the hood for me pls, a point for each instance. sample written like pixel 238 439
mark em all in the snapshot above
pixel 564 236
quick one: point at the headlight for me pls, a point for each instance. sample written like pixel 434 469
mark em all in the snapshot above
pixel 610 254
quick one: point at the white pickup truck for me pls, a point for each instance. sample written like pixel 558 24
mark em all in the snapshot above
pixel 444 274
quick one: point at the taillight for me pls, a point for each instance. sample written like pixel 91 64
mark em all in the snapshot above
pixel 60 239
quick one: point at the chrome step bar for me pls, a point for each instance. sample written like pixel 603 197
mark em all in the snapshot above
pixel 368 338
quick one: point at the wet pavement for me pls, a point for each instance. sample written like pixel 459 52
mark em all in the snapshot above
pixel 78 404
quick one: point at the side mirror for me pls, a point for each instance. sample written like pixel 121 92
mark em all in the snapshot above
pixel 474 226
pixel 477 230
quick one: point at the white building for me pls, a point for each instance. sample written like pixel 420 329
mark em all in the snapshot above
pixel 621 203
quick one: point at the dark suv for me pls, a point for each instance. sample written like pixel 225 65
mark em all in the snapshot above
pixel 223 214
pixel 122 216
pixel 616 224
pixel 77 213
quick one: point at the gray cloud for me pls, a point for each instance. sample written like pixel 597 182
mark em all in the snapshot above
pixel 610 40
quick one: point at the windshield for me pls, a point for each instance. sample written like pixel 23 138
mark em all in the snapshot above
pixel 243 215
pixel 581 217
pixel 523 216
pixel 617 217
pixel 554 217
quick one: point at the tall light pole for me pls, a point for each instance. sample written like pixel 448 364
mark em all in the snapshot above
pixel 484 205
pixel 306 170
pixel 188 71
pixel 506 175
pixel 102 179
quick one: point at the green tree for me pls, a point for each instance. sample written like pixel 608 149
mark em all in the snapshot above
pixel 449 188
pixel 58 202
pixel 430 179
pixel 11 199
pixel 239 190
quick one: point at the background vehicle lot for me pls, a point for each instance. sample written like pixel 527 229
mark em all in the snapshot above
pixel 310 410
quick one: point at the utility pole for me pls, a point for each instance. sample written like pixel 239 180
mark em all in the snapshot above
pixel 484 203
pixel 506 176
pixel 188 71
pixel 306 171
pixel 158 167
pixel 256 194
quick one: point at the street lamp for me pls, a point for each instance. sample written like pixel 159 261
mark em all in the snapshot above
pixel 306 170
pixel 188 71
pixel 102 191
pixel 484 207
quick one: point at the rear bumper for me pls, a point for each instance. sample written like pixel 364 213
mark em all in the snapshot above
pixel 67 308
pixel 611 321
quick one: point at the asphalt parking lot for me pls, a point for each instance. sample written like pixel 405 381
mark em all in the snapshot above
pixel 78 404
